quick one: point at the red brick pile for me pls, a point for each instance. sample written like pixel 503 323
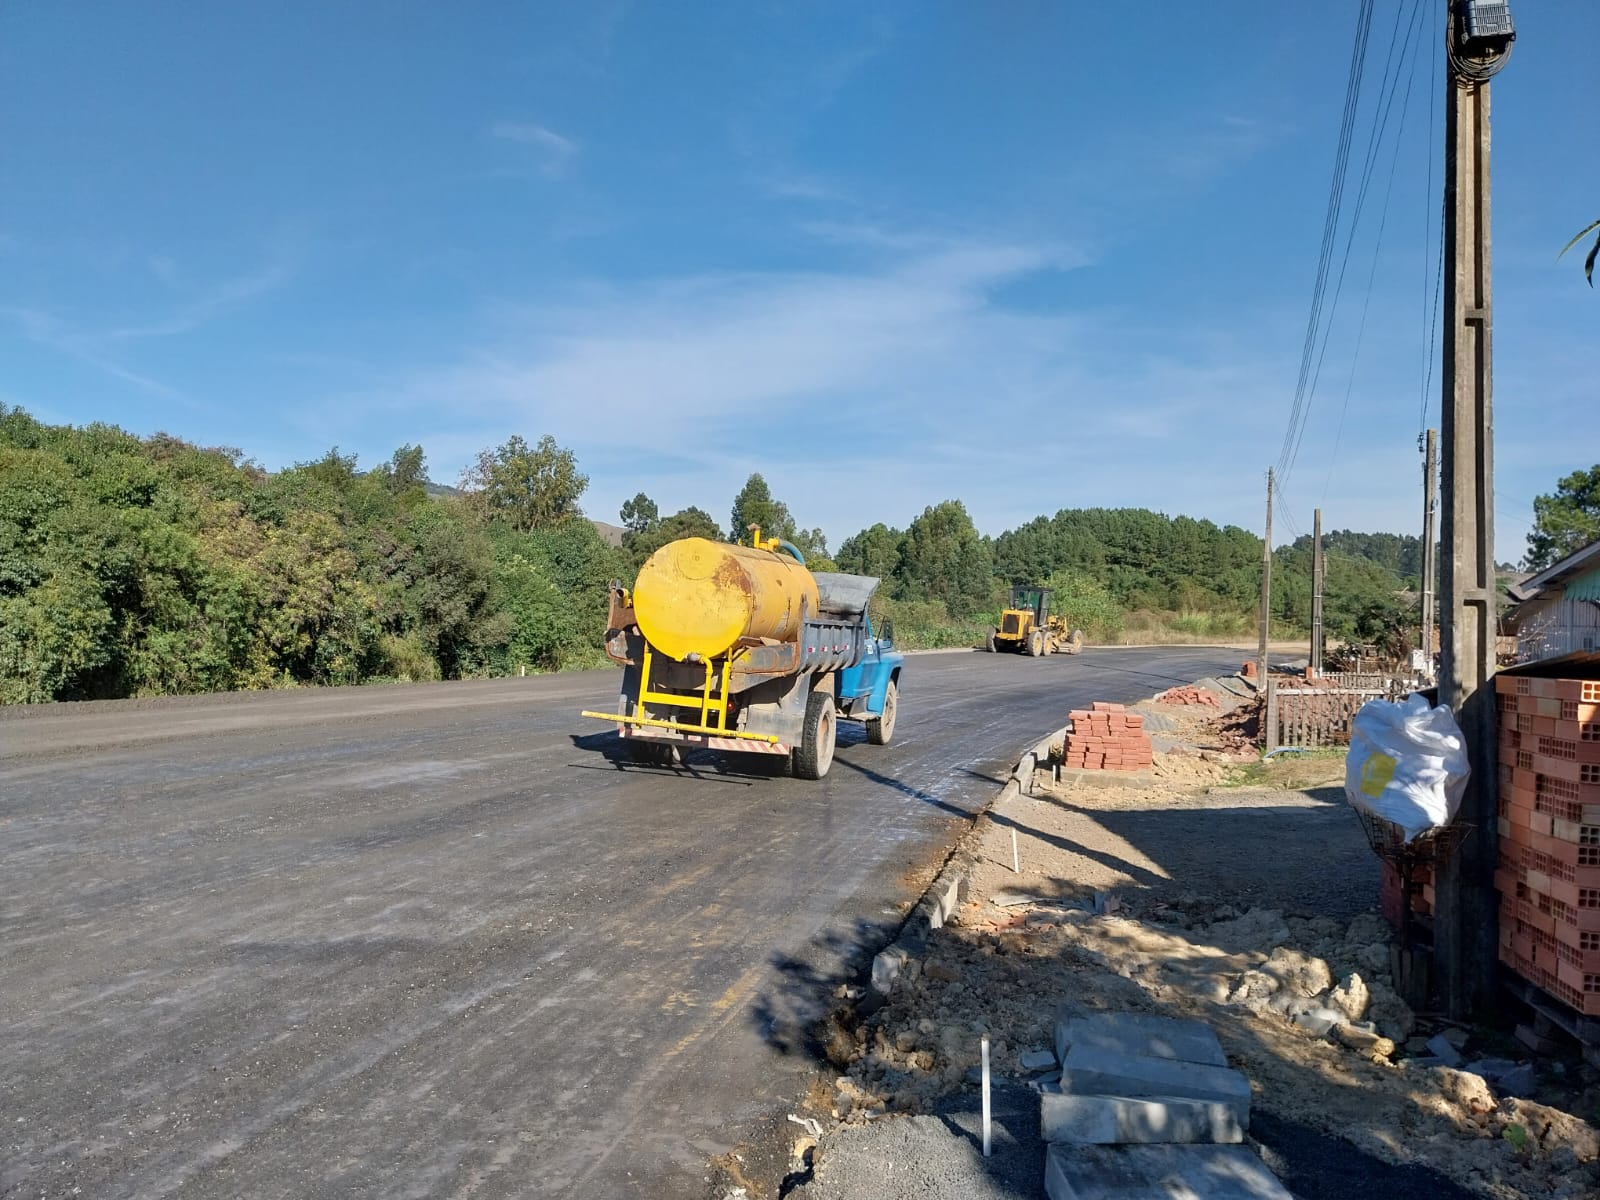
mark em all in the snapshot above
pixel 1392 894
pixel 1108 738
pixel 1549 821
pixel 1188 695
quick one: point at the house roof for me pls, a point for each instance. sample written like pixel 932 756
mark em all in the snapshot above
pixel 1573 564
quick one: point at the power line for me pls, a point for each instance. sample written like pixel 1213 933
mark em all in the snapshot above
pixel 1380 124
pixel 1377 244
pixel 1330 226
pixel 1430 313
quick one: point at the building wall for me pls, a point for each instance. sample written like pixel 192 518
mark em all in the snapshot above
pixel 1546 628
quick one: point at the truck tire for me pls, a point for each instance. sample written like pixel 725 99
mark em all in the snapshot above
pixel 881 729
pixel 1036 644
pixel 989 645
pixel 814 755
pixel 652 754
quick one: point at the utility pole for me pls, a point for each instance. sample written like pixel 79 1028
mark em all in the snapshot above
pixel 1318 574
pixel 1478 39
pixel 1430 470
pixel 1266 592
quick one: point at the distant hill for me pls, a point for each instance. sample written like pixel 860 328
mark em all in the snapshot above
pixel 611 535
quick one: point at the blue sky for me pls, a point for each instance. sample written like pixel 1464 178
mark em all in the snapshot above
pixel 1032 255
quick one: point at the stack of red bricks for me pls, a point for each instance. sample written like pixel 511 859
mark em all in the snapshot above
pixel 1187 695
pixel 1107 737
pixel 1549 821
pixel 1392 893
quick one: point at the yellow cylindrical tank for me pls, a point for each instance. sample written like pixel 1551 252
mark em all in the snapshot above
pixel 696 596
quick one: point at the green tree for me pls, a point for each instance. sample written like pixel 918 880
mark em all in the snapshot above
pixel 1565 521
pixel 755 505
pixel 406 472
pixel 874 551
pixel 943 558
pixel 527 487
pixel 639 514
pixel 685 523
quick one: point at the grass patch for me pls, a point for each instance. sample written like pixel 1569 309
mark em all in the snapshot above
pixel 1291 772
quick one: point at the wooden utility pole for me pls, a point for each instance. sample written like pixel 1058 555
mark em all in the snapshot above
pixel 1318 570
pixel 1466 930
pixel 1430 471
pixel 1266 591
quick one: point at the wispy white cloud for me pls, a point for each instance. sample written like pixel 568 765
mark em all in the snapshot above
pixel 208 304
pixel 908 379
pixel 103 344
pixel 46 329
pixel 555 152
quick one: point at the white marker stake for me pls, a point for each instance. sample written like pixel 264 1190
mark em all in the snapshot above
pixel 1016 860
pixel 986 1097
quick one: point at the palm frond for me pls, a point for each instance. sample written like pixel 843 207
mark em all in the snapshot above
pixel 1594 250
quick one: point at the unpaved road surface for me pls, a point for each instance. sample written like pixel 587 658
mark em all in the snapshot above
pixel 440 940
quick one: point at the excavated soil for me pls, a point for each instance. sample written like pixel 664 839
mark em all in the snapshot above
pixel 1240 906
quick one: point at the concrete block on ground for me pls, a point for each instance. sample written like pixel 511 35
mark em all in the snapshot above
pixel 1099 777
pixel 1090 1071
pixel 1145 1035
pixel 1158 1173
pixel 1444 1050
pixel 1039 1060
pixel 943 898
pixel 1124 1120
pixel 1318 1021
pixel 886 968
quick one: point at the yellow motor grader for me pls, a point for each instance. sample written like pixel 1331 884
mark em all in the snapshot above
pixel 1029 627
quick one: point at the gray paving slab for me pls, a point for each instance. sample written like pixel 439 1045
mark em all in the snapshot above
pixel 1158 1173
pixel 1130 1120
pixel 1091 1071
pixel 1143 1034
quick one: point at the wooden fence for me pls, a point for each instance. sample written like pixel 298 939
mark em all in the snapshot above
pixel 1309 717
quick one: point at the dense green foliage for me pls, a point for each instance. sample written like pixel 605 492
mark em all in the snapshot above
pixel 1565 521
pixel 145 566
pixel 136 566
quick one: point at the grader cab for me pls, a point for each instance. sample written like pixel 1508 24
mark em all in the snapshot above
pixel 1029 627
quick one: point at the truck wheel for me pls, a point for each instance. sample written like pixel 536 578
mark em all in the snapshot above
pixel 653 754
pixel 989 644
pixel 881 729
pixel 814 755
pixel 1036 644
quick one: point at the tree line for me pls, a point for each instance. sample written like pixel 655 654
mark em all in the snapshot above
pixel 137 566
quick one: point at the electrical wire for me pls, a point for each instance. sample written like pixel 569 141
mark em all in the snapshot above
pixel 1377 247
pixel 1432 222
pixel 1330 226
pixel 1385 105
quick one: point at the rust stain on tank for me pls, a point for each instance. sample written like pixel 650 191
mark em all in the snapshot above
pixel 730 576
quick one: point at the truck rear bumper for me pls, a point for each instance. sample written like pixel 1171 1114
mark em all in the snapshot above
pixel 702 741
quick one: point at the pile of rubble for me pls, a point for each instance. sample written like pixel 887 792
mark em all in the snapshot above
pixel 1189 695
pixel 1304 1006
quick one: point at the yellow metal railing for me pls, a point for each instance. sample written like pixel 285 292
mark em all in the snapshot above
pixel 711 704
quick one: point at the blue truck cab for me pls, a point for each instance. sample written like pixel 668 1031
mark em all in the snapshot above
pixel 869 691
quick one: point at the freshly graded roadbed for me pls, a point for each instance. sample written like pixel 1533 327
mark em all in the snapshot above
pixel 442 940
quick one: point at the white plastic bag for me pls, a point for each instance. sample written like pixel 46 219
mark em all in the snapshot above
pixel 1407 764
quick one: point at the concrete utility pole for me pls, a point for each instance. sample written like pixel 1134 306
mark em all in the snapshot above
pixel 1266 591
pixel 1478 38
pixel 1430 470
pixel 1317 576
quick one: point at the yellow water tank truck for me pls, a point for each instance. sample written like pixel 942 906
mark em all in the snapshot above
pixel 744 648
